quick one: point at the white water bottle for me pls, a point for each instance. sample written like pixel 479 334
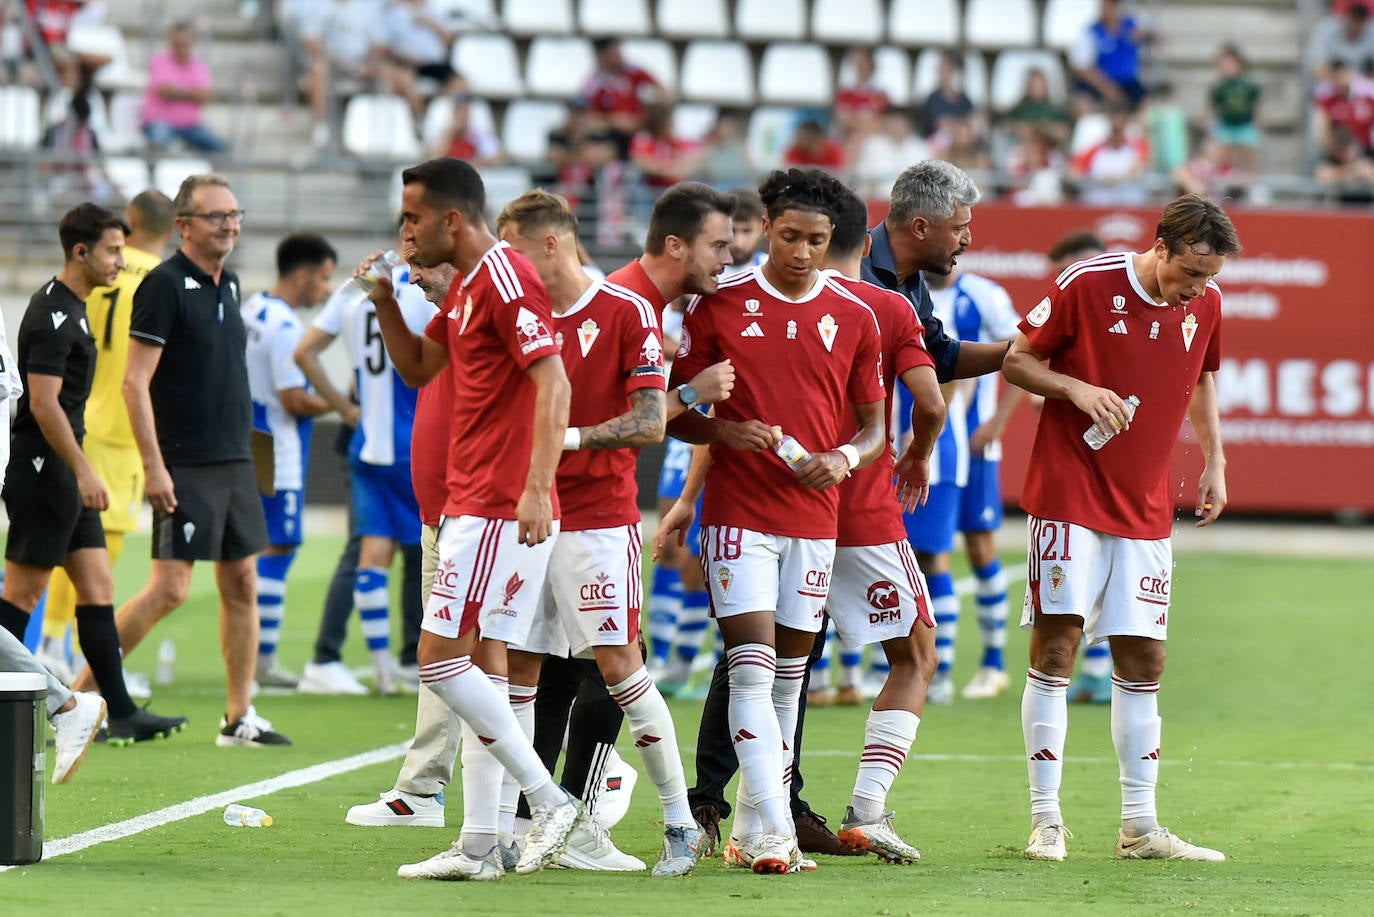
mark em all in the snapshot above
pixel 241 816
pixel 1094 435
pixel 358 287
pixel 791 452
pixel 166 662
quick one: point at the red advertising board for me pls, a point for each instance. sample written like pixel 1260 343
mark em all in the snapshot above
pixel 1296 384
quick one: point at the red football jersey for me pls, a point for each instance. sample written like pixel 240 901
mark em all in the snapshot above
pixel 498 322
pixel 869 511
pixel 429 441
pixel 634 278
pixel 1099 325
pixel 800 364
pixel 621 92
pixel 862 100
pixel 611 347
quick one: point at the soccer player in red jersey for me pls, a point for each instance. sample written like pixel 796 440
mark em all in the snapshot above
pixel 613 352
pixel 1119 325
pixel 510 412
pixel 812 356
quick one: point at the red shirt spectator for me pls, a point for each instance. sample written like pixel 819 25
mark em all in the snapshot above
pixel 663 157
pixel 1348 100
pixel 811 147
pixel 54 18
pixel 618 90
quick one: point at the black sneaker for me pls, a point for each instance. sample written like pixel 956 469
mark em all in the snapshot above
pixel 249 729
pixel 141 726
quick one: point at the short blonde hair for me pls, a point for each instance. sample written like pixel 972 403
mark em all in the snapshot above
pixel 539 209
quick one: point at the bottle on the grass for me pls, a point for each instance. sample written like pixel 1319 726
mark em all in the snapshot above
pixel 356 289
pixel 166 662
pixel 1096 438
pixel 241 816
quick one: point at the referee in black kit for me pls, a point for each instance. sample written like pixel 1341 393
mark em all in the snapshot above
pixel 53 495
pixel 187 391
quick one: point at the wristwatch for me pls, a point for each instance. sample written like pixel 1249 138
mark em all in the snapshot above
pixel 688 395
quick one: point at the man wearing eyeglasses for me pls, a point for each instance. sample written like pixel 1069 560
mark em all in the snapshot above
pixel 186 387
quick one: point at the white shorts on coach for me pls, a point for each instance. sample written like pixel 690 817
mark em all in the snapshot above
pixel 1119 586
pixel 486 577
pixel 753 571
pixel 877 593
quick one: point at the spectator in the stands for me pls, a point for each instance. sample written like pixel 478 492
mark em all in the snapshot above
pixel 725 159
pixel 178 88
pixel 860 104
pixel 1344 35
pixel 1346 100
pixel 887 153
pixel 1114 172
pixel 1035 165
pixel 617 93
pixel 1211 171
pixel 1234 100
pixel 338 37
pixel 416 45
pixel 1037 112
pixel 811 146
pixel 662 157
pixel 463 138
pixel 1166 129
pixel 54 21
pixel 578 149
pixel 73 165
pixel 1346 169
pixel 1106 58
pixel 948 100
pixel 962 143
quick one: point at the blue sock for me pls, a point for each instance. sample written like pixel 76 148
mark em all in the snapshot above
pixel 878 666
pixel 945 603
pixel 372 600
pixel 692 622
pixel 665 603
pixel 992 612
pixel 272 570
pixel 1097 660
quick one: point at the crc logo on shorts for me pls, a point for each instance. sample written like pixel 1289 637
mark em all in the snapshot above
pixel 816 584
pixel 1056 578
pixel 447 580
pixel 724 577
pixel 883 595
pixel 599 595
pixel 531 331
pixel 1154 589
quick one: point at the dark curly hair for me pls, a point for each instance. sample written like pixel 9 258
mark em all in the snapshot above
pixel 799 189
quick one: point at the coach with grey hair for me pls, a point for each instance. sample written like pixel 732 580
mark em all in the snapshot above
pixel 927 229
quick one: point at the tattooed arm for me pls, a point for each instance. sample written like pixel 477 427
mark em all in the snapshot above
pixel 641 425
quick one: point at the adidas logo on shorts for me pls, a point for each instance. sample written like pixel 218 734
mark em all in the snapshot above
pixel 608 627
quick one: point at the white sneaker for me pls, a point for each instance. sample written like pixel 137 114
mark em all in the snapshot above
pixel 1047 843
pixel 734 856
pixel 395 807
pixel 74 731
pixel 138 686
pixel 681 851
pixel 1159 844
pixel 550 826
pixel 941 690
pixel 591 848
pixel 455 865
pixel 276 678
pixel 617 786
pixel 329 678
pixel 987 682
pixel 771 854
pixel 878 838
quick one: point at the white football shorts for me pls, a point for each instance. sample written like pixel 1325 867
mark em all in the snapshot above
pixel 753 571
pixel 594 593
pixel 877 593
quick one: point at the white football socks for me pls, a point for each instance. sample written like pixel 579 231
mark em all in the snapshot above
pixel 1044 725
pixel 888 736
pixel 1135 734
pixel 651 726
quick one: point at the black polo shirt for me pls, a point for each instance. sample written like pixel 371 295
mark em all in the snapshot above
pixel 55 340
pixel 880 267
pixel 199 391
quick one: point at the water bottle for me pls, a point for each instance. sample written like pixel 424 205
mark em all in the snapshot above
pixel 166 662
pixel 1096 438
pixel 791 452
pixel 241 816
pixel 357 288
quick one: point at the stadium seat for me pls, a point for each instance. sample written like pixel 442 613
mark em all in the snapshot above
pixel 538 17
pixel 694 120
pixel 558 67
pixel 440 113
pixel 614 17
pixel 1000 24
pixel 1089 130
pixel 170 171
pixel 891 71
pixel 1009 76
pixel 379 126
pixel 129 174
pixel 921 23
pixel 770 20
pixel 504 184
pixel 769 134
pixel 1066 20
pixel 697 19
pixel 125 110
pixel 928 76
pixel 794 73
pixel 654 55
pixel 718 71
pixel 853 22
pixel 99 40
pixel 469 13
pixel 526 125
pixel 489 64
pixel 21 126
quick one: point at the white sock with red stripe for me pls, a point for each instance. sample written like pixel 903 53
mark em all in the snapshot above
pixel 522 703
pixel 651 726
pixel 786 699
pixel 482 778
pixel 888 736
pixel 1044 725
pixel 1135 733
pixel 489 722
pixel 757 740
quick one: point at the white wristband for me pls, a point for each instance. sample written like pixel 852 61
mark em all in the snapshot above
pixel 572 439
pixel 851 455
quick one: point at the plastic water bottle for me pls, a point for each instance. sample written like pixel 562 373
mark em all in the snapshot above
pixel 1094 436
pixel 791 452
pixel 241 816
pixel 166 662
pixel 358 287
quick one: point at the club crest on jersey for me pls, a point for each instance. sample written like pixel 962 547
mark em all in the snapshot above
pixel 724 577
pixel 558 339
pixel 751 306
pixel 1040 314
pixel 462 317
pixel 684 345
pixel 1154 331
pixel 827 326
pixel 587 333
pixel 531 330
pixel 1119 304
pixel 651 354
pixel 1189 328
pixel 791 330
pixel 1056 582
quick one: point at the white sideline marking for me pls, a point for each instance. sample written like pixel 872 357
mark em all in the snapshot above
pixel 201 804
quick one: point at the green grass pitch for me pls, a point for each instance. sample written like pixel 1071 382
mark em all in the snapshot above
pixel 1267 748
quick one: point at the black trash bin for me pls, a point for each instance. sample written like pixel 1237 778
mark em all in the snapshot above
pixel 23 738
